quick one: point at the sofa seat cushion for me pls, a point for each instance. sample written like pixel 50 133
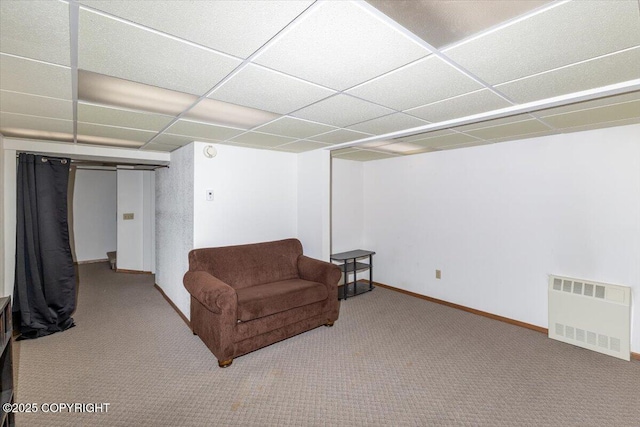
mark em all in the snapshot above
pixel 259 301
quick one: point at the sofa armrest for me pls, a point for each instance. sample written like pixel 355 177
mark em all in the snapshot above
pixel 212 292
pixel 319 271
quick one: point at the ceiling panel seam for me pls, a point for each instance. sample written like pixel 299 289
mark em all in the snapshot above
pixel 235 71
pixel 433 49
pixel 156 31
pixel 34 116
pixel 74 14
pixel 34 60
pixel 529 107
pixel 506 24
pixel 33 94
pixel 584 61
pixel 182 40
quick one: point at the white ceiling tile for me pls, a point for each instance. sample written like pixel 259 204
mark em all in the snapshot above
pixel 160 147
pixel 340 151
pixel 339 45
pixel 602 125
pixel 340 135
pixel 387 124
pixel 443 22
pixel 610 69
pixel 600 102
pixel 38 30
pixel 494 122
pixel 562 35
pixel 202 130
pixel 124 118
pixel 36 78
pixel 20 121
pixel 295 128
pixel 22 103
pixel 302 146
pixel 516 136
pixel 90 129
pixel 509 130
pixel 268 90
pixel 342 110
pixel 261 139
pixel 460 106
pixel 609 113
pixel 235 27
pixel 425 135
pixel 363 155
pixel 475 143
pixel 444 140
pixel 426 81
pixel 106 47
pixel 172 140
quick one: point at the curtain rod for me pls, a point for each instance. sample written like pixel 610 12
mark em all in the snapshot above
pixel 80 163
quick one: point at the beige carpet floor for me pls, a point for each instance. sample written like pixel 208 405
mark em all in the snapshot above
pixel 390 360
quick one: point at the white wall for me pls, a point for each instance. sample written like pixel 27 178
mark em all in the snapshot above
pixel 347 209
pixel 134 236
pixel 149 221
pixel 174 225
pixel 498 219
pixel 255 197
pixel 94 214
pixel 130 232
pixel 314 203
pixel 347 201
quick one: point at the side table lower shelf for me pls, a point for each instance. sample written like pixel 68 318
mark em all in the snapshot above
pixel 361 287
pixel 350 265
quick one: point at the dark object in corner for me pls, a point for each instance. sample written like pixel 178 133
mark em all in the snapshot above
pixel 44 295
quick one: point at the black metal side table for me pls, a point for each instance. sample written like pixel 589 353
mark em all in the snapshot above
pixel 350 264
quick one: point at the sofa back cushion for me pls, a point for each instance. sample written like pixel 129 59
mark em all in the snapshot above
pixel 248 265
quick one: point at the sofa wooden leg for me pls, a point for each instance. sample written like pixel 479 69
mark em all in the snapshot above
pixel 225 363
pixel 329 323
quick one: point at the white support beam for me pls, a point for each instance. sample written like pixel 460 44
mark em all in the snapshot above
pixel 529 107
pixel 87 152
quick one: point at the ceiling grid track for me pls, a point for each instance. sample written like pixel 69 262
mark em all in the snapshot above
pixel 436 52
pixel 337 92
pixel 334 57
pixel 155 31
pixel 529 107
pixel 245 62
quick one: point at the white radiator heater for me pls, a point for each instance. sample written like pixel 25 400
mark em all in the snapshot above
pixel 592 315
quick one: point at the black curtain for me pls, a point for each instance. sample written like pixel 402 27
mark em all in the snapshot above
pixel 44 295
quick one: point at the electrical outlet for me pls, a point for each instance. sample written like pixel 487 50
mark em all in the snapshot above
pixel 209 195
pixel 127 216
pixel 438 274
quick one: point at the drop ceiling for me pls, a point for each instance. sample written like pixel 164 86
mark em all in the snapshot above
pixel 368 80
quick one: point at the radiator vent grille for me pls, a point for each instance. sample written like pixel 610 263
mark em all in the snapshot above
pixel 591 315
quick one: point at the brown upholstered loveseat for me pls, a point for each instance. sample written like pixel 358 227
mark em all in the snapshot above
pixel 249 296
